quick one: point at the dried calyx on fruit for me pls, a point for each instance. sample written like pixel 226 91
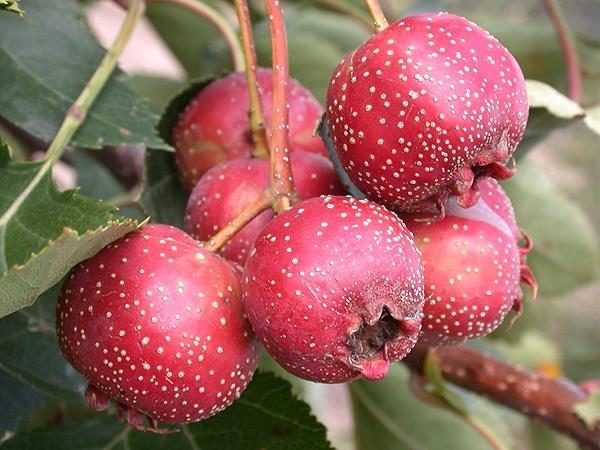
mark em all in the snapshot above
pixel 424 109
pixel 334 289
pixel 228 188
pixel 473 266
pixel 214 127
pixel 156 322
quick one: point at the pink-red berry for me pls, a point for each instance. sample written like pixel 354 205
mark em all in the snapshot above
pixel 425 108
pixel 334 289
pixel 230 187
pixel 214 127
pixel 156 323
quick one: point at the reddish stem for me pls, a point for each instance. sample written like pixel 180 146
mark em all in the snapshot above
pixel 282 182
pixel 379 21
pixel 567 45
pixel 547 400
pixel 218 241
pixel 257 127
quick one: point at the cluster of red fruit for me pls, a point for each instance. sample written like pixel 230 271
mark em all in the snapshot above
pixel 424 115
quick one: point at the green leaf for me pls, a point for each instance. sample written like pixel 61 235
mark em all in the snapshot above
pixel 328 35
pixel 542 95
pixel 29 351
pixel 18 402
pixel 589 410
pixel 195 42
pixel 440 388
pixel 388 417
pixel 44 232
pixel 12 6
pixel 267 416
pixel 46 59
pixel 98 434
pixel 162 197
pixel 566 252
pixel 157 90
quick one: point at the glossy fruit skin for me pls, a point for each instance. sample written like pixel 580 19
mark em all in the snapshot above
pixel 334 289
pixel 473 267
pixel 423 109
pixel 228 188
pixel 214 127
pixel 156 322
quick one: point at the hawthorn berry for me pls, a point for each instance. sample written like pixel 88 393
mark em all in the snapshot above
pixel 424 109
pixel 230 187
pixel 473 267
pixel 156 322
pixel 214 127
pixel 334 289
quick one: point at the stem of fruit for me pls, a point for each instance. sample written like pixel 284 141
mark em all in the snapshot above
pixel 567 45
pixel 78 111
pixel 547 400
pixel 344 7
pixel 257 126
pixel 282 181
pixel 262 203
pixel 379 21
pixel 218 21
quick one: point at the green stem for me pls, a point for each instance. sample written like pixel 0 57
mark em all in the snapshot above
pixel 219 22
pixel 78 111
pixel 379 21
pixel 567 45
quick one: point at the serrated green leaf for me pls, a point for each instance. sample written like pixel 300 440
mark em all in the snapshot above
pixel 47 58
pixel 29 351
pixel 12 6
pixel 566 254
pixel 44 232
pixel 589 410
pixel 267 416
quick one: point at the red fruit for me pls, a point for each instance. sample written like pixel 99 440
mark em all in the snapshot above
pixel 230 187
pixel 155 322
pixel 334 289
pixel 214 127
pixel 423 109
pixel 472 268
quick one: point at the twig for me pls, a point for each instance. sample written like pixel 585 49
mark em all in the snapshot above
pixel 218 241
pixel 282 182
pixel 379 21
pixel 547 400
pixel 567 45
pixel 257 127
pixel 218 21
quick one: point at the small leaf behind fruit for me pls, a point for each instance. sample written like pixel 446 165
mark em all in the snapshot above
pixel 44 232
pixel 12 6
pixel 46 59
pixel 589 410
